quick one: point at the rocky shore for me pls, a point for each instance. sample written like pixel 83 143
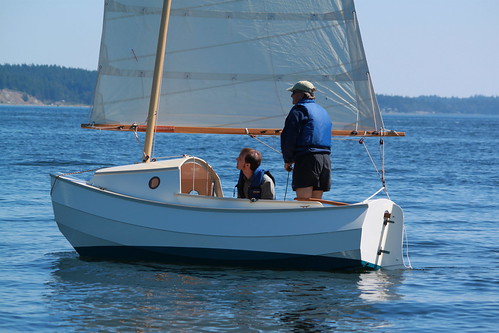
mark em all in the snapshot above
pixel 18 98
pixel 12 97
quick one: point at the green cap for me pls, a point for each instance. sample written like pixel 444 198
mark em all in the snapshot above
pixel 303 86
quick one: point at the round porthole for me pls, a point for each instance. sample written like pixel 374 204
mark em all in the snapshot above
pixel 154 183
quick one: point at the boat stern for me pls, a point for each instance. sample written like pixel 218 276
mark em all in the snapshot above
pixel 382 235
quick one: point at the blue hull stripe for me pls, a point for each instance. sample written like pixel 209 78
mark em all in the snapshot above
pixel 218 257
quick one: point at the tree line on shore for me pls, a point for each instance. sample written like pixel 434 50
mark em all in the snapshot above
pixel 49 83
pixel 53 84
pixel 435 104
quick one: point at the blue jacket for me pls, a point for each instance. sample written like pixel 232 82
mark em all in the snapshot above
pixel 255 189
pixel 307 130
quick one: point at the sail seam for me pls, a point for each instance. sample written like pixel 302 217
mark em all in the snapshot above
pixel 265 16
pixel 340 15
pixel 348 76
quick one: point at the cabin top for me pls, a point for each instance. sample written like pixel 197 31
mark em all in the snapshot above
pixel 162 179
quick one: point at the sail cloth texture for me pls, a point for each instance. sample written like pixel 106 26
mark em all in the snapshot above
pixel 228 63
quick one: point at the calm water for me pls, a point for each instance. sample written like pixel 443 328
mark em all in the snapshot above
pixel 444 174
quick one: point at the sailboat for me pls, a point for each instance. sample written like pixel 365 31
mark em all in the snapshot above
pixel 222 67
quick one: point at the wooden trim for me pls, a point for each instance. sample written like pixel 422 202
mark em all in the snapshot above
pixel 327 202
pixel 234 130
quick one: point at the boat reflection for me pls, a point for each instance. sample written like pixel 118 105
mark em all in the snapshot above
pixel 157 297
pixel 380 286
pixel 339 301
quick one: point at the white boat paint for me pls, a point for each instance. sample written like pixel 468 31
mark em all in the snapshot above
pixel 92 215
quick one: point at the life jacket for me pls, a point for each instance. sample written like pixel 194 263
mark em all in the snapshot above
pixel 255 189
pixel 315 136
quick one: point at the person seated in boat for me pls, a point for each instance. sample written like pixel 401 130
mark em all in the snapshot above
pixel 254 181
pixel 306 143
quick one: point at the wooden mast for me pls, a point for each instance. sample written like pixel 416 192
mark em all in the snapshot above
pixel 156 82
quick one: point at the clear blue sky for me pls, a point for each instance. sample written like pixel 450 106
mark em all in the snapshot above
pixel 414 47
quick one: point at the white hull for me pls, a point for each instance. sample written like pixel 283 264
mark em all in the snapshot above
pixel 183 228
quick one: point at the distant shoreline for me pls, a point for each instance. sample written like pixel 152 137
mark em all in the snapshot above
pixel 5 105
pixel 384 113
pixel 17 98
pixel 40 85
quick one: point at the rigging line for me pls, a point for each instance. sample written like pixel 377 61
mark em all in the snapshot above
pixel 372 196
pixel 69 173
pixel 135 127
pixel 275 150
pixel 168 157
pixel 362 141
pixel 409 265
pixel 262 142
pixel 287 183
pixel 77 172
pixel 382 158
pixel 380 175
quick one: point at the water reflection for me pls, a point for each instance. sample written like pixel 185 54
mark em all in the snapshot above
pixel 156 297
pixel 379 286
pixel 338 301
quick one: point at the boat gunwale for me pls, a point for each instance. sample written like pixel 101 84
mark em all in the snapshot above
pixel 83 184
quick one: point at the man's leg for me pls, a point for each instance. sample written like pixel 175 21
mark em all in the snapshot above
pixel 304 192
pixel 308 192
pixel 317 194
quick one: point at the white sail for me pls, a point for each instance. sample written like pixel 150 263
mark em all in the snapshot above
pixel 228 63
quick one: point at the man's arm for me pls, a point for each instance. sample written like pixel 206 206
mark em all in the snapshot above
pixel 291 133
pixel 268 191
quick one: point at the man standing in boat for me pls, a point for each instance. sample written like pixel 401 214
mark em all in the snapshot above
pixel 306 143
pixel 254 181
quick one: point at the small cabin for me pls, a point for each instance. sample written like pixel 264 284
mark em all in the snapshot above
pixel 161 180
